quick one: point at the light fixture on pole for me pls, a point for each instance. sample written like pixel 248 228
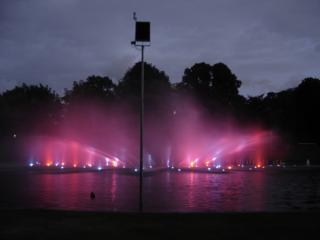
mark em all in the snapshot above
pixel 142 40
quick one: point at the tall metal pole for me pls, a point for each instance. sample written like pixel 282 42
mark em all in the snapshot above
pixel 141 131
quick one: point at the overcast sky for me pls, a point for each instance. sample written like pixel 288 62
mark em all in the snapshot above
pixel 269 44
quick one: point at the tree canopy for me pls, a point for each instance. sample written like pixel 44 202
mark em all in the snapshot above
pixel 292 111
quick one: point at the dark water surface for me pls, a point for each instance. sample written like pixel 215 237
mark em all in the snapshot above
pixel 281 190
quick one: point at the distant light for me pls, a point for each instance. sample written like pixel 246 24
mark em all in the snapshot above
pixel 136 169
pixel 250 169
pixel 14 135
pixel 99 168
pixel 74 165
pixel 223 170
pixel 30 164
pixel 89 165
pixel 229 167
pixel 209 169
pixel 62 167
pixel 192 164
pixel 172 167
pixel 179 169
pixel 150 166
pixel 56 164
pixel 62 163
pixel 84 166
pixel 174 112
pixel 214 158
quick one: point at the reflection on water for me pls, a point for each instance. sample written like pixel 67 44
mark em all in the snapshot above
pixel 165 191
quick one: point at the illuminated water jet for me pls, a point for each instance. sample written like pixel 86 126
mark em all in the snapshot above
pixel 225 152
pixel 44 151
pixel 188 139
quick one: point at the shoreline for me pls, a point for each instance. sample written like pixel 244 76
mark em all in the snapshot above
pixel 132 171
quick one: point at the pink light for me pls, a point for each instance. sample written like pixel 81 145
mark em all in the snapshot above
pixel 190 139
pixel 192 164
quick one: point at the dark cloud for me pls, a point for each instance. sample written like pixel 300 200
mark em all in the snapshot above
pixel 56 42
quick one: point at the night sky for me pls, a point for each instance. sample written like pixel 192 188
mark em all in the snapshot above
pixel 270 45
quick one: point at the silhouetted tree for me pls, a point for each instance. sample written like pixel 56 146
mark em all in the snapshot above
pixel 215 86
pixel 307 99
pixel 198 79
pixel 225 84
pixel 95 88
pixel 292 111
pixel 155 81
pixel 156 84
pixel 86 105
pixel 30 108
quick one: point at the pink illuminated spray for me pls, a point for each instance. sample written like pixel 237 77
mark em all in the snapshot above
pixel 93 136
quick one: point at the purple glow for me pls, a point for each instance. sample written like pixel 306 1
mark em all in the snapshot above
pixel 100 138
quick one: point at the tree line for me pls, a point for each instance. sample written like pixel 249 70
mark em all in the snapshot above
pixel 292 112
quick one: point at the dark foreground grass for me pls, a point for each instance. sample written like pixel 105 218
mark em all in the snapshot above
pixel 50 224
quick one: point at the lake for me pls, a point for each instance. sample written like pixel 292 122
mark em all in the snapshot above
pixel 239 191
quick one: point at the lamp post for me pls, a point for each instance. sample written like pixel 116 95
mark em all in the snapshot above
pixel 142 40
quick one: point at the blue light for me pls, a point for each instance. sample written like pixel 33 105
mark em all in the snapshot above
pixel 99 168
